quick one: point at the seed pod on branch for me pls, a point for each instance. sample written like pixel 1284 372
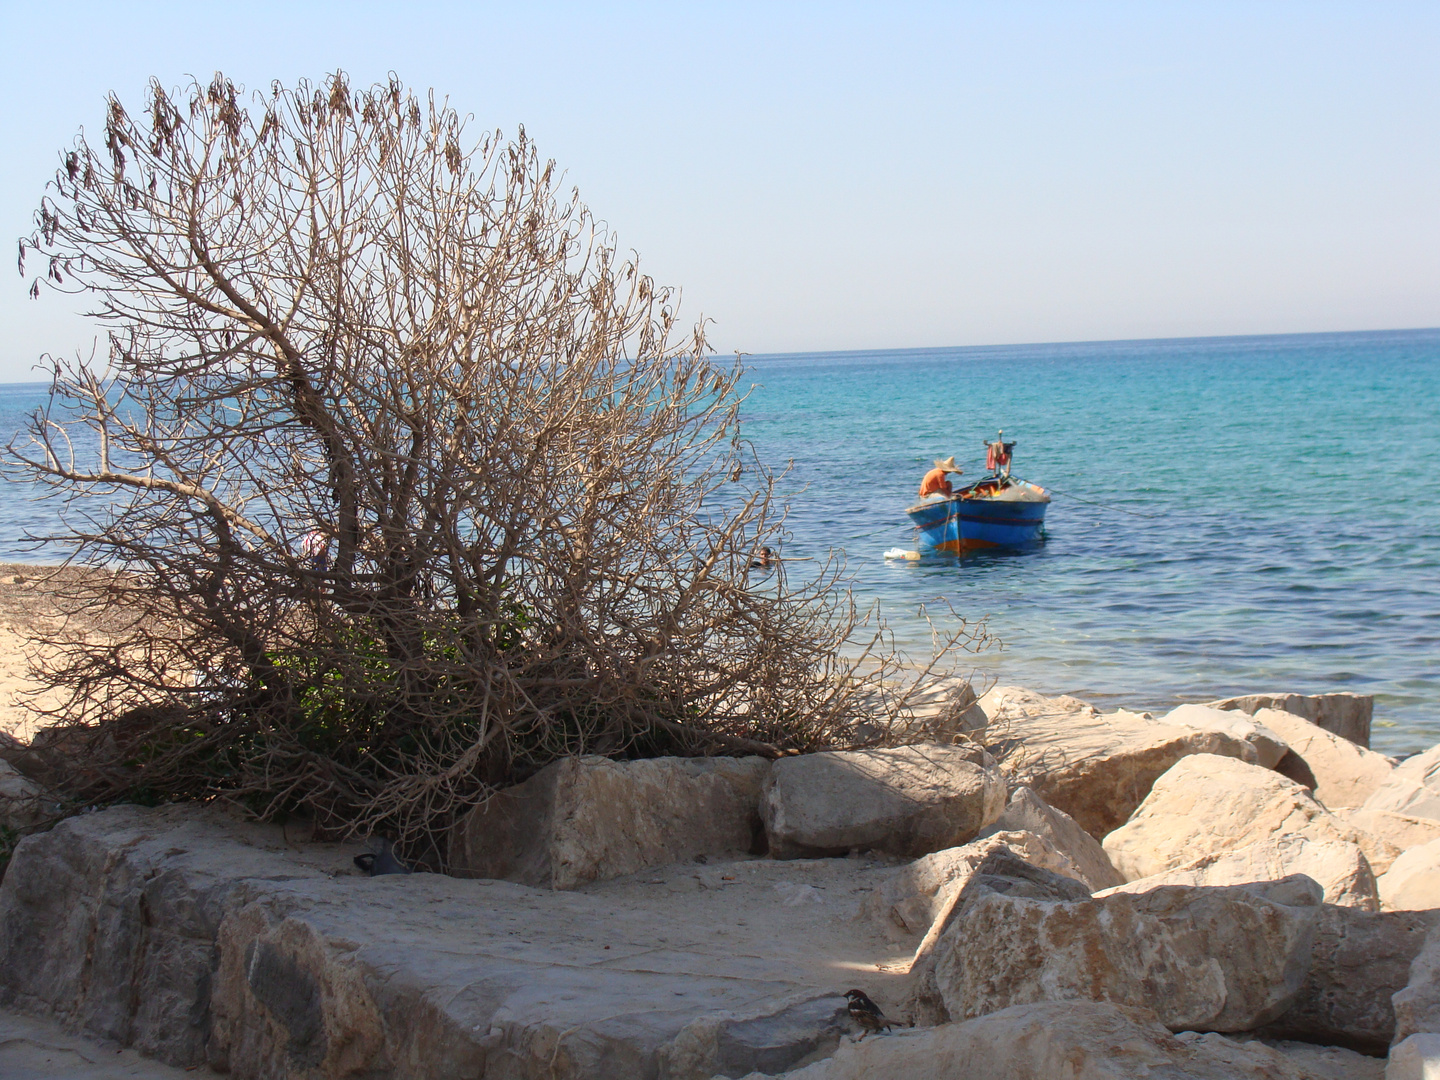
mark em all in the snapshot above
pixel 410 484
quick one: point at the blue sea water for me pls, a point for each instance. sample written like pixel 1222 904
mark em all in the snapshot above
pixel 1259 513
pixel 1290 537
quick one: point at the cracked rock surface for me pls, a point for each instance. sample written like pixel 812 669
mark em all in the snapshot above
pixel 198 940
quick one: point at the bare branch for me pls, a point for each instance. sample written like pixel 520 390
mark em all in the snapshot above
pixel 411 481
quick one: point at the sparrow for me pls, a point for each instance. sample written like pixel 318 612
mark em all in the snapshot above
pixel 866 1013
pixel 380 862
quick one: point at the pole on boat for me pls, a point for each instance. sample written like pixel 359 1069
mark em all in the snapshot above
pixel 998 452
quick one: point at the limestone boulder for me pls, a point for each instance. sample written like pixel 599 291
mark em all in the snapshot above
pixel 1417 1058
pixel 773 1043
pixel 1073 1040
pixel 590 818
pixel 1358 962
pixel 1422 768
pixel 1385 834
pixel 93 934
pixel 1404 795
pixel 1205 959
pixel 1095 768
pixel 1324 1062
pixel 1345 774
pixel 21 800
pixel 1417 1003
pixel 945 709
pixel 1003 704
pixel 1207 804
pixel 919 893
pixel 1041 852
pixel 1001 871
pixel 907 801
pixel 1413 880
pixel 1414 789
pixel 1340 868
pixel 1269 746
pixel 1027 813
pixel 1343 714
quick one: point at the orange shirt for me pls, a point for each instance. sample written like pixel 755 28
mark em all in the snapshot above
pixel 934 481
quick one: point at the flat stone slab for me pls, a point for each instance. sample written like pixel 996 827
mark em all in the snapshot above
pixel 203 941
pixel 32 1049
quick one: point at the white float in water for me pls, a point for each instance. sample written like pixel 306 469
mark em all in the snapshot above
pixel 901 553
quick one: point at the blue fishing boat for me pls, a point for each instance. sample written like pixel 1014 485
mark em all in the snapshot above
pixel 997 511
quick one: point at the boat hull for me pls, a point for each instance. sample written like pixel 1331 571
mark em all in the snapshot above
pixel 958 525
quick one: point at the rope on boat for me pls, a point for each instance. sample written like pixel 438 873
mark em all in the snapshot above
pixel 1104 506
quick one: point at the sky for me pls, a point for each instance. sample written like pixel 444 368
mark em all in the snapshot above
pixel 860 176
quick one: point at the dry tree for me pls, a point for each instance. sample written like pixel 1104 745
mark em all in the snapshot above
pixel 399 480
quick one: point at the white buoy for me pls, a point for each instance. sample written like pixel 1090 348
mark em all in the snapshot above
pixel 901 553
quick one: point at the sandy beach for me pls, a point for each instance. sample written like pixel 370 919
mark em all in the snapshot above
pixel 29 609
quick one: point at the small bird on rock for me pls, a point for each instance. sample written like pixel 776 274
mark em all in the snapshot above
pixel 380 861
pixel 866 1013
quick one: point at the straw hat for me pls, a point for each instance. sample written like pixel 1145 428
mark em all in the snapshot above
pixel 948 464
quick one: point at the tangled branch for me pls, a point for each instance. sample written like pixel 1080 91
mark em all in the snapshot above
pixel 411 482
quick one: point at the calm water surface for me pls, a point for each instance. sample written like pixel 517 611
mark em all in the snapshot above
pixel 1261 513
pixel 1291 529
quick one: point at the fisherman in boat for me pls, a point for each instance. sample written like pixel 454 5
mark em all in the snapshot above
pixel 935 482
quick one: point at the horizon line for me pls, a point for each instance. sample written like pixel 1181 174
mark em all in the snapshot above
pixel 1088 341
pixel 1013 345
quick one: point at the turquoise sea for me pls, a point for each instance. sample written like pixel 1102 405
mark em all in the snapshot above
pixel 1259 513
pixel 1289 486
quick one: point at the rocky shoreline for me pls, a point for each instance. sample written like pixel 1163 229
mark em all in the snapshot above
pixel 1236 890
